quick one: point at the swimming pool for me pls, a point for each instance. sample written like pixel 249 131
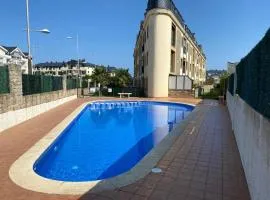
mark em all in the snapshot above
pixel 107 139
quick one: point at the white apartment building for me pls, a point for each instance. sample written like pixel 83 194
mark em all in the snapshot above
pixel 69 68
pixel 167 55
pixel 13 55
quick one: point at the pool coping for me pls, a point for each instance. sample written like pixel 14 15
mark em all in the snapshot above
pixel 21 172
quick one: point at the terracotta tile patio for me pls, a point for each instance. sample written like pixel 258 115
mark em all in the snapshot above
pixel 203 163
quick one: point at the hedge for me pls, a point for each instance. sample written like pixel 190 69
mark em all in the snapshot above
pixel 253 77
pixel 4 80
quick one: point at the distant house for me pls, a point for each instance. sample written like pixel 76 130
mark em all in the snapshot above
pixel 214 75
pixel 4 57
pixel 111 70
pixel 69 68
pixel 216 79
pixel 13 55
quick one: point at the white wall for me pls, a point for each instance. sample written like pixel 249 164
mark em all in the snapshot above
pixel 3 57
pixel 159 56
pixel 252 132
pixel 2 52
pixel 13 118
pixel 24 67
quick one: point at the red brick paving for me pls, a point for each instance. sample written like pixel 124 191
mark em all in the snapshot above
pixel 204 165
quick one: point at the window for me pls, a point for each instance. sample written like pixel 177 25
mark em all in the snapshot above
pixel 173 35
pixel 185 48
pixel 184 67
pixel 172 62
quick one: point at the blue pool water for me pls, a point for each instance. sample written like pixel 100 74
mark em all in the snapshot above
pixel 107 139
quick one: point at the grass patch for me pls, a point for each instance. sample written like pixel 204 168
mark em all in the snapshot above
pixel 214 94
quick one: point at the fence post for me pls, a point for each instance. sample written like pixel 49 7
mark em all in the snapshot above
pixel 15 85
pixel 65 83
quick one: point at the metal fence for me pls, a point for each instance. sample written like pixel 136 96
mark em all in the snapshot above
pixel 34 84
pixel 4 80
pixel 231 84
pixel 253 77
pixel 72 83
pixel 180 83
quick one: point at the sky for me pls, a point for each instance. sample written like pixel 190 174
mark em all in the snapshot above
pixel 107 29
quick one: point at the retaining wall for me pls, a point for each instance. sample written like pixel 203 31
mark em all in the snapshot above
pixel 252 132
pixel 16 108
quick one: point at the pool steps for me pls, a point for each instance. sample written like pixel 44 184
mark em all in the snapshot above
pixel 110 105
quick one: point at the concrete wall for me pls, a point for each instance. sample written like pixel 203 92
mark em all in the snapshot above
pixel 252 132
pixel 16 108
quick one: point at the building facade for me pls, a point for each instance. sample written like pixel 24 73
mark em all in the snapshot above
pixel 13 55
pixel 69 68
pixel 167 55
pixel 3 56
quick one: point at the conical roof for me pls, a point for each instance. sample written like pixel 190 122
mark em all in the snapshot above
pixel 165 4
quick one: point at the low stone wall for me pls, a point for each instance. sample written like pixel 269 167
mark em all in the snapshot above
pixel 181 93
pixel 252 132
pixel 16 108
pixel 11 103
pixel 15 117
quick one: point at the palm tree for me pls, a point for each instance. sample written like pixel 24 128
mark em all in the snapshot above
pixel 101 76
pixel 122 78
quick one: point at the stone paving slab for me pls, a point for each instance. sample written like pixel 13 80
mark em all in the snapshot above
pixel 203 163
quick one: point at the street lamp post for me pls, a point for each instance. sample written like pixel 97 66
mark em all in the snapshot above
pixel 78 60
pixel 28 38
pixel 46 31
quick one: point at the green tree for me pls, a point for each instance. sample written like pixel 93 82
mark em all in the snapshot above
pixel 100 76
pixel 209 81
pixel 223 83
pixel 122 78
pixel 86 77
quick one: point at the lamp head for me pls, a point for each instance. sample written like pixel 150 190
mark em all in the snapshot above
pixel 46 31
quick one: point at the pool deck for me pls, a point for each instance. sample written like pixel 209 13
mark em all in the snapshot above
pixel 202 164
